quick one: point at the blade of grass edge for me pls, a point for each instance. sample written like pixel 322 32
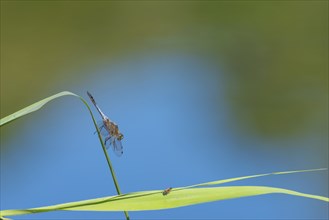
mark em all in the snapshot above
pixel 217 182
pixel 34 107
pixel 38 105
pixel 154 200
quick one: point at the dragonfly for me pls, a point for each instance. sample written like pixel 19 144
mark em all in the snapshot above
pixel 109 130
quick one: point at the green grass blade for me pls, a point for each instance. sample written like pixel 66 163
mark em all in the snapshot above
pixel 34 107
pixel 154 200
pixel 217 182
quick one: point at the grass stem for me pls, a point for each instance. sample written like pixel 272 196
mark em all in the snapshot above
pixel 106 155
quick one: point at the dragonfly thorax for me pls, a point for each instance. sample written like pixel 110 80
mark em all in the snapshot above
pixel 113 129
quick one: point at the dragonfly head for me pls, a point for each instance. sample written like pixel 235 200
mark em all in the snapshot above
pixel 120 136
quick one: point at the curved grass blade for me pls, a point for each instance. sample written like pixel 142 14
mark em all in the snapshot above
pixel 217 182
pixel 36 106
pixel 154 200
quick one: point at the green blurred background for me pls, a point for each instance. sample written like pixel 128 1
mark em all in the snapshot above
pixel 275 51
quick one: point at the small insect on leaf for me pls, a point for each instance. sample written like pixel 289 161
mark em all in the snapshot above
pixel 166 191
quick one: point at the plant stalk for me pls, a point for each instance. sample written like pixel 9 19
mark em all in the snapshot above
pixel 106 156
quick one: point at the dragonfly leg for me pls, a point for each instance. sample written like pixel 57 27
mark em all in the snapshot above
pixel 100 129
pixel 106 139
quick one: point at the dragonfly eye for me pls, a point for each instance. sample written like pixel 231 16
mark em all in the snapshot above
pixel 120 137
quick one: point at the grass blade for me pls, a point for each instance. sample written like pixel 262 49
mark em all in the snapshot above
pixel 184 196
pixel 36 106
pixel 154 200
pixel 217 182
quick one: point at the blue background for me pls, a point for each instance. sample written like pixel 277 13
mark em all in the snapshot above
pixel 188 115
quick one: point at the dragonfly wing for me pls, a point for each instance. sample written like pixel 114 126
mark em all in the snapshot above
pixel 117 147
pixel 109 141
pixel 102 129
